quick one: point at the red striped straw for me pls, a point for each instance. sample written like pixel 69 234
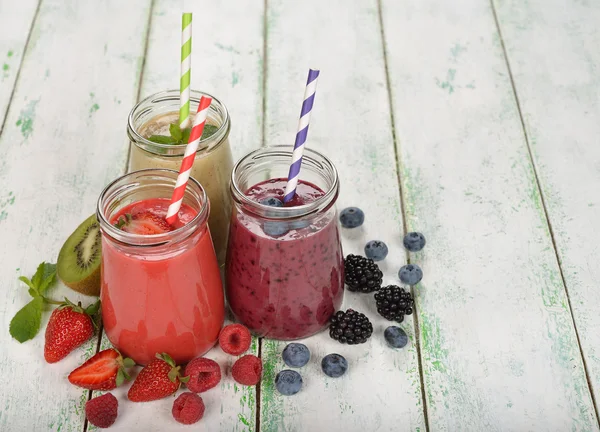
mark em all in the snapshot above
pixel 188 160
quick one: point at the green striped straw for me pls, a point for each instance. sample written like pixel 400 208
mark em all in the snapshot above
pixel 186 69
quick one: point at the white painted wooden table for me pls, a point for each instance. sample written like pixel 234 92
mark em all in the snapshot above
pixel 475 122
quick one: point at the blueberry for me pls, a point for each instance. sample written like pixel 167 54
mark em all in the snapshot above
pixel 275 229
pixel 334 365
pixel 271 202
pixel 376 250
pixel 296 355
pixel 414 241
pixel 288 382
pixel 410 274
pixel 352 217
pixel 395 337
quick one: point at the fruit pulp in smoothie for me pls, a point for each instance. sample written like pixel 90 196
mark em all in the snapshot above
pixel 212 168
pixel 284 279
pixel 168 300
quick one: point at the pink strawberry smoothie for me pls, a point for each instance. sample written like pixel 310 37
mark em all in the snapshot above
pixel 284 279
pixel 168 301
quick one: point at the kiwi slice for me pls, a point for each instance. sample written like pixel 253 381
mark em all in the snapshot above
pixel 78 263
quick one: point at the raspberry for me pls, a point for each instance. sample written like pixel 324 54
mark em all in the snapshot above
pixel 102 410
pixel 247 370
pixel 188 408
pixel 235 339
pixel 204 374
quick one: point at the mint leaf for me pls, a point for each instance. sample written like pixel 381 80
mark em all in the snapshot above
pixel 209 130
pixel 39 275
pixel 179 136
pixel 186 135
pixel 175 132
pixel 28 282
pixel 48 277
pixel 161 139
pixel 123 220
pixel 43 278
pixel 26 323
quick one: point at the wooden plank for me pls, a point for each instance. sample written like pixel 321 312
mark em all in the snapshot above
pixel 15 23
pixel 228 407
pixel 350 124
pixel 227 64
pixel 62 143
pixel 498 343
pixel 552 49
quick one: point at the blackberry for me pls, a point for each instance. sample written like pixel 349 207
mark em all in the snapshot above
pixel 350 327
pixel 394 302
pixel 362 274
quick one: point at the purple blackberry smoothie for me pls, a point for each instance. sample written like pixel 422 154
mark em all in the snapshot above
pixel 284 278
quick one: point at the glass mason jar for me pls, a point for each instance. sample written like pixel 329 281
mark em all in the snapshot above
pixel 285 270
pixel 163 292
pixel 213 163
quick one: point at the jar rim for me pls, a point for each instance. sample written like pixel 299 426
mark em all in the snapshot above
pixel 130 239
pixel 195 96
pixel 286 213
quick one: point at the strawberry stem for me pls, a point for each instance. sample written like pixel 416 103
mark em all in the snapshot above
pixel 93 309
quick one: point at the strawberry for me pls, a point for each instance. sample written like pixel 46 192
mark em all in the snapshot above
pixel 160 378
pixel 69 326
pixel 104 371
pixel 143 223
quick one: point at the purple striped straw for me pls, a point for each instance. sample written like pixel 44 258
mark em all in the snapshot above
pixel 309 98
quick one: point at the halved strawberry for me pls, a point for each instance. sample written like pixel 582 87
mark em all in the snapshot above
pixel 143 223
pixel 104 371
